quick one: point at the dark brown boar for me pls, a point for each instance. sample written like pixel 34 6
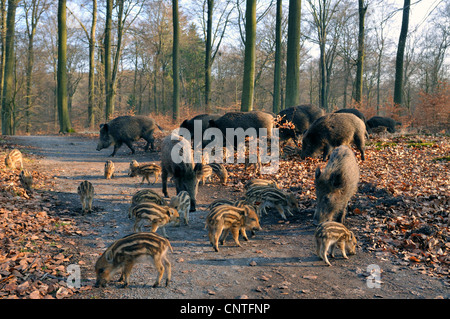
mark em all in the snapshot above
pixel 335 185
pixel 185 173
pixel 333 130
pixel 127 129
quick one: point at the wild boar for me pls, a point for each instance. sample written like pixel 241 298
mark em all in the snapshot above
pixel 356 112
pixel 182 203
pixel 109 169
pixel 145 196
pixel 127 129
pixel 26 179
pixel 387 122
pixel 125 252
pixel 230 218
pixel 244 120
pixel 328 235
pixel 333 130
pixel 86 192
pixel 204 118
pixel 270 196
pixel 301 116
pixel 155 216
pixel 180 165
pixel 145 170
pixel 13 158
pixel 336 185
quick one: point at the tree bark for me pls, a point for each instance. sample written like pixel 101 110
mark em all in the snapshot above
pixel 398 86
pixel 362 9
pixel 8 88
pixel 277 71
pixel 109 107
pixel 293 55
pixel 63 109
pixel 248 84
pixel 175 61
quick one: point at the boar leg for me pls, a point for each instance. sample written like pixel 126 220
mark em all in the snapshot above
pixel 235 234
pixel 216 235
pixel 117 145
pixel 159 267
pixel 341 245
pixel 168 270
pixel 244 234
pixel 224 236
pixel 324 253
pixel 359 142
pixel 281 211
pixel 126 271
pixel 164 182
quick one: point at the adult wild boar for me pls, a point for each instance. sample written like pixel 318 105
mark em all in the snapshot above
pixel 356 112
pixel 204 118
pixel 244 120
pixel 301 116
pixel 377 121
pixel 333 130
pixel 127 129
pixel 335 185
pixel 177 160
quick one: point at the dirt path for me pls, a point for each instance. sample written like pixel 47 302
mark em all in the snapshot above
pixel 280 262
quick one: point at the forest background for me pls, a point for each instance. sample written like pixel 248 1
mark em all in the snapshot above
pixel 71 65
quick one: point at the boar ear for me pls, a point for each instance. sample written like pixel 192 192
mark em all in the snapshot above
pixel 336 179
pixel 109 256
pixel 212 123
pixel 318 172
pixel 104 127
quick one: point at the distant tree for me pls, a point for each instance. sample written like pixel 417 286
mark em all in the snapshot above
pixel 175 61
pixel 398 85
pixel 277 71
pixel 249 57
pixel 293 54
pixel 362 9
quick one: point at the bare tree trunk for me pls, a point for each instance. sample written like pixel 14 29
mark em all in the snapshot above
pixel 8 89
pixel 293 54
pixel 248 84
pixel 362 9
pixel 63 109
pixel 109 107
pixel 176 54
pixel 398 86
pixel 277 71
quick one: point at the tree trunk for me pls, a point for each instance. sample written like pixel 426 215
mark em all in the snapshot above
pixel 8 89
pixel 63 111
pixel 248 84
pixel 398 86
pixel 362 9
pixel 175 61
pixel 293 54
pixel 3 33
pixel 91 116
pixel 277 71
pixel 208 50
pixel 109 107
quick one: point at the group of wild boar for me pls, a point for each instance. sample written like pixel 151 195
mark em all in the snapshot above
pixel 328 135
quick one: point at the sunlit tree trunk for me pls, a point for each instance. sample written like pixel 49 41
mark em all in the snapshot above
pixel 248 85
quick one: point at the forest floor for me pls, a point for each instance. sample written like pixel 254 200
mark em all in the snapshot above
pixel 400 216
